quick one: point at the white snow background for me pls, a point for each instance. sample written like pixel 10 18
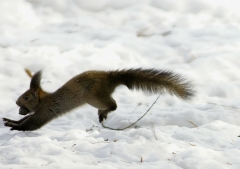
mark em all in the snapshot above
pixel 198 39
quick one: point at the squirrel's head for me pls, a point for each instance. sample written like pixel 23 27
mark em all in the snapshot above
pixel 29 100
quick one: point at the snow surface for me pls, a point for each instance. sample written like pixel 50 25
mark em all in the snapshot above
pixel 199 39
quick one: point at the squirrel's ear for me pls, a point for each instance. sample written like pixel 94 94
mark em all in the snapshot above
pixel 35 82
pixel 28 72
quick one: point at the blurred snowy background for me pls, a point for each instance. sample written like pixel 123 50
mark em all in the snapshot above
pixel 197 38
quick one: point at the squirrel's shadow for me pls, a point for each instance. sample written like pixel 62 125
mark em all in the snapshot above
pixel 25 134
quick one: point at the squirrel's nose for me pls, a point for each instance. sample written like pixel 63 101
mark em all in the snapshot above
pixel 17 102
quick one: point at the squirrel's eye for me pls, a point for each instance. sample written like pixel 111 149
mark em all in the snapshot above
pixel 26 98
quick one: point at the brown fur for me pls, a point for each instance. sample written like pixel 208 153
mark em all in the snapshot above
pixel 94 88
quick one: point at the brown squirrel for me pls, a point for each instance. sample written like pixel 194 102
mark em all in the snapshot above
pixel 94 88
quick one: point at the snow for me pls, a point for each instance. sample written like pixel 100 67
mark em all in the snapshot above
pixel 199 39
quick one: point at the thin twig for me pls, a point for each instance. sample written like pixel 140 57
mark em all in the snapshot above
pixel 87 130
pixel 154 133
pixel 141 32
pixel 101 142
pixel 233 107
pixel 126 161
pixel 46 164
pixel 135 121
pixel 8 139
pixel 192 123
pixel 191 144
pixel 141 160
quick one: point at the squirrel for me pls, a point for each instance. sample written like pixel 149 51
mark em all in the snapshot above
pixel 94 88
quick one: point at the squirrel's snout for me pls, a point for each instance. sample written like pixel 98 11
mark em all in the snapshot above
pixel 18 103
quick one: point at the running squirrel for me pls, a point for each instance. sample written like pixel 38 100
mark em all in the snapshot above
pixel 94 88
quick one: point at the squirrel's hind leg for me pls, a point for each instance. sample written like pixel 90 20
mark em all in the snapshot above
pixel 104 105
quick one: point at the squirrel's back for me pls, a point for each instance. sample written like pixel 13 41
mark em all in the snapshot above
pixel 148 80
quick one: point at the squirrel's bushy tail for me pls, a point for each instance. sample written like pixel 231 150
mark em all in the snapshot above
pixel 154 81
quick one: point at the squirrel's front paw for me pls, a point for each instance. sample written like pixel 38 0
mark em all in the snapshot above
pixel 5 119
pixel 9 120
pixel 9 124
pixel 12 125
